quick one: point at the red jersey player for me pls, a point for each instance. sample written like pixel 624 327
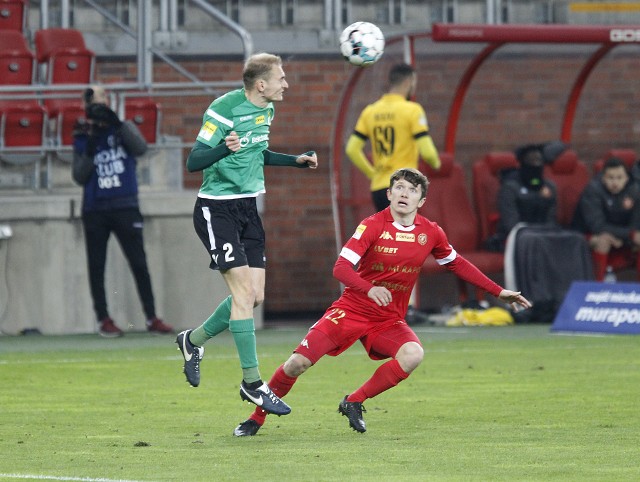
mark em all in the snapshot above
pixel 388 249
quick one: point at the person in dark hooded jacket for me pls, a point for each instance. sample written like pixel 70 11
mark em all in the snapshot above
pixel 525 196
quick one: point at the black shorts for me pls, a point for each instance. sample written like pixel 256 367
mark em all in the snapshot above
pixel 232 232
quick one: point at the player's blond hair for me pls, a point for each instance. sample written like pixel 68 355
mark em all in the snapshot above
pixel 259 66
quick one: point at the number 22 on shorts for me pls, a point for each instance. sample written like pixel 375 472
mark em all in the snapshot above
pixel 335 315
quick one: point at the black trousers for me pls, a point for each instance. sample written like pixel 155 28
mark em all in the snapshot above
pixel 380 200
pixel 126 224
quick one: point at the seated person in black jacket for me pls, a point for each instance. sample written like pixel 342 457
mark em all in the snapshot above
pixel 525 196
pixel 609 214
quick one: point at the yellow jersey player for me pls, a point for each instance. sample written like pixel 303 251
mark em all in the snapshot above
pixel 398 130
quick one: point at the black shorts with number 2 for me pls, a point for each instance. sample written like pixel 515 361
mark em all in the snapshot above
pixel 232 232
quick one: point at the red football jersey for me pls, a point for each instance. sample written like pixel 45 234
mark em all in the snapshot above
pixel 391 255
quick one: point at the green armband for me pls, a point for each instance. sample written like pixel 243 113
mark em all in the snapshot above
pixel 203 156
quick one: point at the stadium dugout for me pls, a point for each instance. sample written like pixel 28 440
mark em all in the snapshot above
pixel 350 193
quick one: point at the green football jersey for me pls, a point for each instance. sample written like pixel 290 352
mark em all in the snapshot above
pixel 241 173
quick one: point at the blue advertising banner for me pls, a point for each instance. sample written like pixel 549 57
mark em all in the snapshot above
pixel 600 308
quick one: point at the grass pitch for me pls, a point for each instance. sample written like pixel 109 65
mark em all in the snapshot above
pixel 487 404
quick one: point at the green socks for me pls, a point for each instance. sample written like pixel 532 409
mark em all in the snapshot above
pixel 244 335
pixel 215 324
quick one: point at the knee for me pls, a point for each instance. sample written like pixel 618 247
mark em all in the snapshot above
pixel 601 243
pixel 296 365
pixel 409 356
pixel 244 298
pixel 252 297
pixel 258 298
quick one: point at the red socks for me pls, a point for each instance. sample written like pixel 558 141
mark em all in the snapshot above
pixel 280 384
pixel 387 375
pixel 599 264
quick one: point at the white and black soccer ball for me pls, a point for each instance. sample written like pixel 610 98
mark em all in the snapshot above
pixel 362 43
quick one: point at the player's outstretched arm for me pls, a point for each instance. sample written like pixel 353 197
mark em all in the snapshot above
pixel 308 159
pixel 515 299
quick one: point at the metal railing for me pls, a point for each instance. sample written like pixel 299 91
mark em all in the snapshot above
pixel 34 167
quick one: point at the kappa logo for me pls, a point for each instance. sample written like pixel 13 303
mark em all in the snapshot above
pixel 386 235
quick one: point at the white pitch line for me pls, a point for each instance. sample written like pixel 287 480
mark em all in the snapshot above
pixel 54 477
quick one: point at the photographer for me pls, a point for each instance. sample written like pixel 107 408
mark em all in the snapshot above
pixel 104 164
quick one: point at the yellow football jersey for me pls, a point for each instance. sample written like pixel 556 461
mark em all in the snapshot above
pixel 392 124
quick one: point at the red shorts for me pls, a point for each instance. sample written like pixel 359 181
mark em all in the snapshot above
pixel 338 329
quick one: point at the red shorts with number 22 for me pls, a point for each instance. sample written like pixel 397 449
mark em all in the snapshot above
pixel 340 328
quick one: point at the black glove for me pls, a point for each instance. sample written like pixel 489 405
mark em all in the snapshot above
pixel 81 128
pixel 102 115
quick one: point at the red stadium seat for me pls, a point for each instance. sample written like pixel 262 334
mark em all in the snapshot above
pixel 628 156
pixel 570 176
pixel 449 205
pixel 67 116
pixel 486 184
pixel 146 114
pixel 13 15
pixel 16 60
pixel 22 132
pixel 65 57
pixel 22 121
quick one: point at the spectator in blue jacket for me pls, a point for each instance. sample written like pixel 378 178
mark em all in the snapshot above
pixel 104 163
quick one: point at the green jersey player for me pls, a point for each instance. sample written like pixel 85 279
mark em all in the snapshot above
pixel 231 150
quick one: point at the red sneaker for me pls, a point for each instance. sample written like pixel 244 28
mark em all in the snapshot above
pixel 108 329
pixel 156 325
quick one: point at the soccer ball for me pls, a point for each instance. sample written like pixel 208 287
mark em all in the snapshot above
pixel 362 43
